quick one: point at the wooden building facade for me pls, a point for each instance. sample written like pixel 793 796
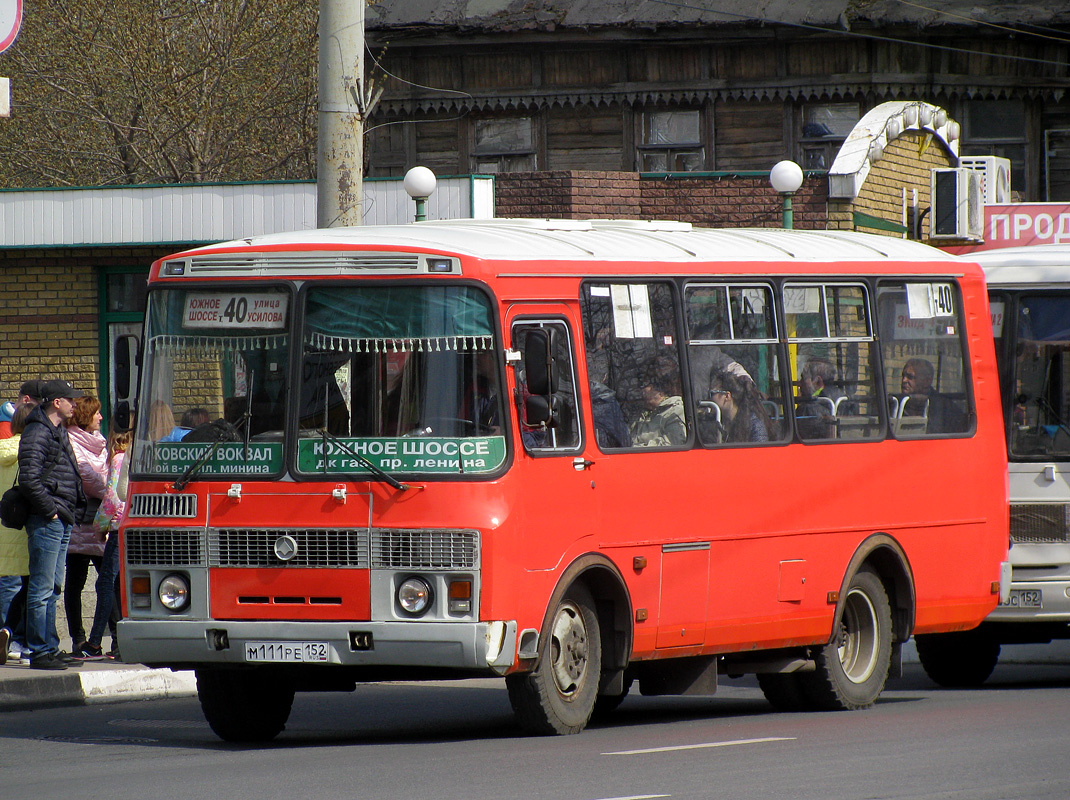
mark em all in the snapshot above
pixel 658 87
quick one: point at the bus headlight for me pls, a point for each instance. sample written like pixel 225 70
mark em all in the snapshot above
pixel 414 596
pixel 174 592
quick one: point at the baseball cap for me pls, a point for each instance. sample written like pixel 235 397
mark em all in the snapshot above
pixel 54 389
pixel 32 388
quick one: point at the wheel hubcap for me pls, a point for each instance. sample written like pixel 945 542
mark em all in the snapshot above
pixel 568 649
pixel 858 642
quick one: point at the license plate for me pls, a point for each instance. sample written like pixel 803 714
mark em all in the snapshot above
pixel 1025 598
pixel 287 652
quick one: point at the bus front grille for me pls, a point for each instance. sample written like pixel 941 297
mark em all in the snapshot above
pixel 1039 523
pixel 163 505
pixel 357 548
pixel 289 547
pixel 183 547
pixel 422 549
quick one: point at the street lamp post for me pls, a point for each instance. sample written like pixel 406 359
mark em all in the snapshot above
pixel 786 177
pixel 420 183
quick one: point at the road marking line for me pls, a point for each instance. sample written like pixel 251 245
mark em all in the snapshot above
pixel 700 746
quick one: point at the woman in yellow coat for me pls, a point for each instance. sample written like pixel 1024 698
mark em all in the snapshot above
pixel 14 553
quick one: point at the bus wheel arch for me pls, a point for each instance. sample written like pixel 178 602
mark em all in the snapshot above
pixel 883 555
pixel 584 645
pixel 874 615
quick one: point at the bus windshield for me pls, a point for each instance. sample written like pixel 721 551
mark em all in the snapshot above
pixel 1041 383
pixel 404 376
pixel 216 362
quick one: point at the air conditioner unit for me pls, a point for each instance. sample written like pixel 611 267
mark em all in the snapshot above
pixel 957 208
pixel 996 177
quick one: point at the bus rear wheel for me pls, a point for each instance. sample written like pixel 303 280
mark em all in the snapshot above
pixel 958 660
pixel 558 697
pixel 852 669
pixel 244 705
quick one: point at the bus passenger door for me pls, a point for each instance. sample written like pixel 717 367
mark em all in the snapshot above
pixel 557 498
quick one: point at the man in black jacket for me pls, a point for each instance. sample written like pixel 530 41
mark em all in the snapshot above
pixel 48 476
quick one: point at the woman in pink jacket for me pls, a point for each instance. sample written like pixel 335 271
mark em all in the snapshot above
pixel 87 544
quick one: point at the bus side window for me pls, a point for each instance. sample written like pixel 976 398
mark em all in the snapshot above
pixel 831 351
pixel 924 359
pixel 552 425
pixel 633 365
pixel 732 352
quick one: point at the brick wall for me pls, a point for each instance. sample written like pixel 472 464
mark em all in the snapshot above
pixel 48 320
pixel 49 312
pixel 711 200
pixel 906 165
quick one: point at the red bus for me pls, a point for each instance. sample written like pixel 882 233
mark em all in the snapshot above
pixel 578 455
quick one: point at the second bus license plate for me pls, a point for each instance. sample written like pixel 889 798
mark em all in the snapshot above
pixel 1025 598
pixel 287 652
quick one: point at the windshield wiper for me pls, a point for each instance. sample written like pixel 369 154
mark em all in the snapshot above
pixel 364 462
pixel 227 433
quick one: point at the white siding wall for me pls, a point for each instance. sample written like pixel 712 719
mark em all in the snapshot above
pixel 208 213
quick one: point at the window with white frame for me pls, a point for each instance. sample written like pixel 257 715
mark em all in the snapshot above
pixel 671 141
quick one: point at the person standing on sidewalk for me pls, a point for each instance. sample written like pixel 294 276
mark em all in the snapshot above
pixel 14 556
pixel 48 475
pixel 107 519
pixel 87 543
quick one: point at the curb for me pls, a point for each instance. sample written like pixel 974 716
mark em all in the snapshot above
pixel 92 687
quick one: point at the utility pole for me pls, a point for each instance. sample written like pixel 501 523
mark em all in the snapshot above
pixel 344 103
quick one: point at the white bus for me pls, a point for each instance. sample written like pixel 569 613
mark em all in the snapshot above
pixel 1029 292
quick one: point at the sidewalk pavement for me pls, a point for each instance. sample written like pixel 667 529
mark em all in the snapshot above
pixel 22 688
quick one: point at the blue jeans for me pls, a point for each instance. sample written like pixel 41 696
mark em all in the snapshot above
pixel 106 574
pixel 48 539
pixel 9 587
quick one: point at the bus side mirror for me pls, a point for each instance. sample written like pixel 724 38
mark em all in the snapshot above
pixel 540 365
pixel 537 410
pixel 123 415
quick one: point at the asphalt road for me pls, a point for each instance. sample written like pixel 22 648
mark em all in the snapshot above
pixel 445 741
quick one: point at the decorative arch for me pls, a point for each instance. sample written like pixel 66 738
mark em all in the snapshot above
pixel 881 125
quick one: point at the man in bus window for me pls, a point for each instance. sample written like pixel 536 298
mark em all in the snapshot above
pixel 942 413
pixel 662 422
pixel 818 394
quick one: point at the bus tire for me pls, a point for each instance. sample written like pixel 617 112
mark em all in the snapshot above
pixel 783 691
pixel 957 660
pixel 244 705
pixel 851 670
pixel 558 697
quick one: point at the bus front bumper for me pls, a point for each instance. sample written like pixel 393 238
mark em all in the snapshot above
pixel 192 643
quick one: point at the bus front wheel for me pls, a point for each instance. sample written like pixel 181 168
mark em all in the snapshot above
pixel 958 660
pixel 558 697
pixel 244 705
pixel 852 668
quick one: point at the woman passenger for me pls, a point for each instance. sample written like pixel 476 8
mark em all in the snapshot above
pixel 742 415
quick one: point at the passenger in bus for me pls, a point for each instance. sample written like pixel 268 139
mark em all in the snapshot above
pixel 743 418
pixel 818 393
pixel 610 428
pixel 941 412
pixel 662 423
pixel 190 420
pixel 482 404
pixel 161 420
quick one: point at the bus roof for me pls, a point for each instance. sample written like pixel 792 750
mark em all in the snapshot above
pixel 1039 263
pixel 595 240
